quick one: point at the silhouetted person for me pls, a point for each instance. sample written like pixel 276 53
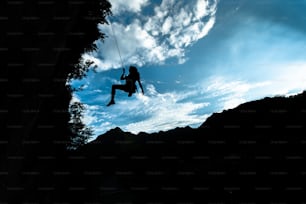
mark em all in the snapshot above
pixel 129 86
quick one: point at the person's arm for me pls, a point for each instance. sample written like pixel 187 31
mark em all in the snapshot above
pixel 140 86
pixel 123 75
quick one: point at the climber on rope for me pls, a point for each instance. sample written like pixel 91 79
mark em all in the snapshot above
pixel 129 86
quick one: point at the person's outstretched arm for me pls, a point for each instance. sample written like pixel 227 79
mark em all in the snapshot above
pixel 140 86
pixel 123 75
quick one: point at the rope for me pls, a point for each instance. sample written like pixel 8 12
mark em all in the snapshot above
pixel 117 44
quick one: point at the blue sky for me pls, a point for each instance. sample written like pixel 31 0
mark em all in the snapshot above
pixel 195 57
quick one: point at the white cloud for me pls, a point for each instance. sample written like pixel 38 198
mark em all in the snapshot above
pixel 157 111
pixel 74 99
pixel 289 79
pixel 88 119
pixel 151 112
pixel 167 25
pixel 199 11
pixel 119 6
pixel 231 92
pixel 173 27
pixel 165 115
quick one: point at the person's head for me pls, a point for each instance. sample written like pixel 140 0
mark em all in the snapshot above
pixel 133 70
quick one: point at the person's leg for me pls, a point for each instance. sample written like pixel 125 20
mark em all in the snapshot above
pixel 132 90
pixel 113 93
pixel 117 86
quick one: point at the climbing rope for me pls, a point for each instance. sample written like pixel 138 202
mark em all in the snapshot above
pixel 116 42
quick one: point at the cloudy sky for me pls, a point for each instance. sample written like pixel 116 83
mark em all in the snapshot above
pixel 195 57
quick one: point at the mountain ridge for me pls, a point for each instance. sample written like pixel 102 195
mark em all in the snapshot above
pixel 261 107
pixel 244 154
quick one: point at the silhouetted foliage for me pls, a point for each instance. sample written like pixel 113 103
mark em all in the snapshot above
pixel 80 69
pixel 52 37
pixel 81 133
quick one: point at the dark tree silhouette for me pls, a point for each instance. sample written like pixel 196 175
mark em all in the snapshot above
pixel 80 71
pixel 81 133
pixel 41 43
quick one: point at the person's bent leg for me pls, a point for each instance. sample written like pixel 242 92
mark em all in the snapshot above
pixel 113 93
pixel 116 86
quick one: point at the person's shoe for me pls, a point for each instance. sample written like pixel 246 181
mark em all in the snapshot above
pixel 130 94
pixel 111 103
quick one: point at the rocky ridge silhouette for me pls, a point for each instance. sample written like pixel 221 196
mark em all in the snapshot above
pixel 245 154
